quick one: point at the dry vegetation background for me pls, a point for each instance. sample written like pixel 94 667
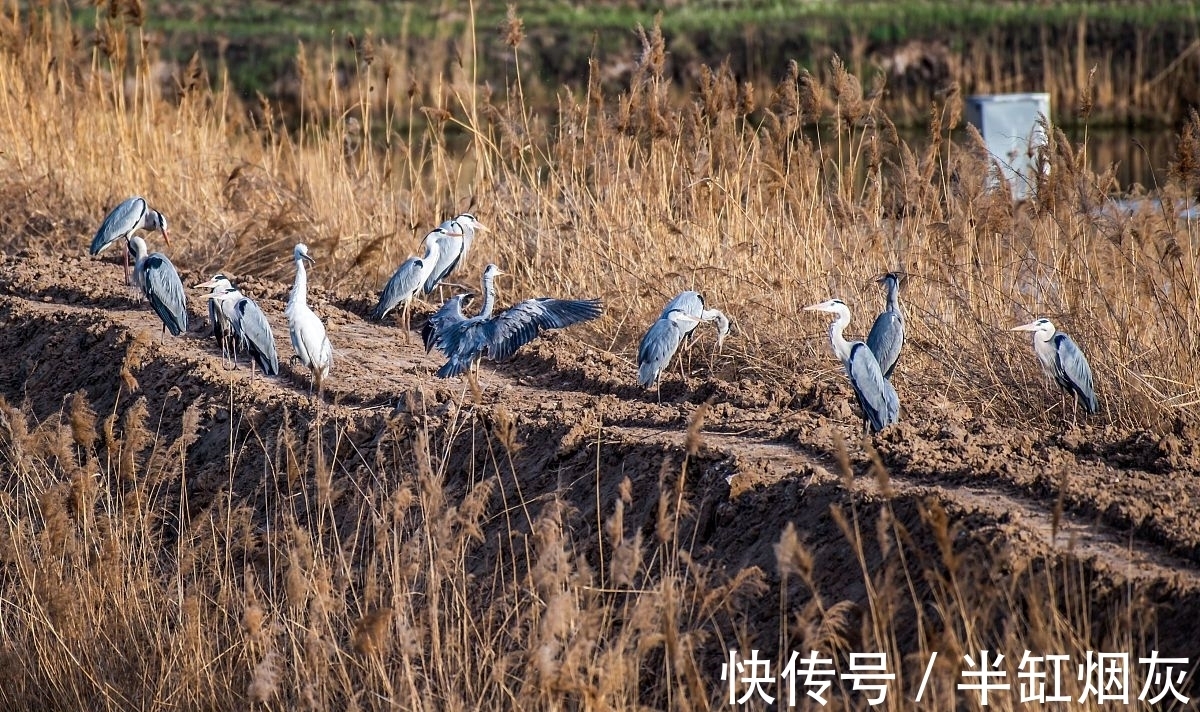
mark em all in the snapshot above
pixel 111 603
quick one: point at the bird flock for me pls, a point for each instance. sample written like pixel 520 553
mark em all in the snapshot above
pixel 240 325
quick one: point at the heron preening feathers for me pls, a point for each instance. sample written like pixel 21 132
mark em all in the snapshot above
pixel 692 303
pixel 886 337
pixel 465 340
pixel 159 281
pixel 660 344
pixel 239 323
pixel 307 332
pixel 1062 360
pixel 876 397
pixel 131 215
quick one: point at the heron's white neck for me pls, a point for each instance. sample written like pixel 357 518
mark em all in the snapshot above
pixel 489 295
pixel 137 249
pixel 300 288
pixel 719 317
pixel 841 347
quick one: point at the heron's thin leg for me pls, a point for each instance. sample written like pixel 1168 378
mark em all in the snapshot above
pixel 407 329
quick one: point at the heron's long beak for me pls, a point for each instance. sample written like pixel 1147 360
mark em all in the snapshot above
pixel 1031 326
pixel 206 285
pixel 815 307
pixel 480 226
pixel 166 237
pixel 311 261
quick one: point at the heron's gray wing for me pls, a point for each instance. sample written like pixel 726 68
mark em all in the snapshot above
pixel 165 291
pixel 870 387
pixel 122 220
pixel 256 335
pixel 521 323
pixel 886 339
pixel 449 313
pixel 462 342
pixel 1073 372
pixel 658 346
pixel 404 282
pixel 449 252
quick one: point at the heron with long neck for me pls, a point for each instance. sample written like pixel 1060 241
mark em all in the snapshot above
pixel 499 336
pixel 876 397
pixel 1063 361
pixel 886 337
pixel 160 282
pixel 308 333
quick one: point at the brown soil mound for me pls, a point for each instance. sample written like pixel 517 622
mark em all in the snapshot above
pixel 564 422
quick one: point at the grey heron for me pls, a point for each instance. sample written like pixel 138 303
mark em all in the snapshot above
pixel 307 332
pixel 452 247
pixel 1062 360
pixel 660 344
pixel 220 311
pixel 159 281
pixel 465 342
pixel 409 278
pixel 886 337
pixel 245 324
pixel 450 313
pixel 131 215
pixel 692 303
pixel 876 397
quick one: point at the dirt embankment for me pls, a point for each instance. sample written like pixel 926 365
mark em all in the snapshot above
pixel 1120 506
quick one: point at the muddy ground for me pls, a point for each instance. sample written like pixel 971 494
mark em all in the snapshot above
pixel 1119 507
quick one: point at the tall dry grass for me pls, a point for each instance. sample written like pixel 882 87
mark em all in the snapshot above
pixel 633 197
pixel 349 583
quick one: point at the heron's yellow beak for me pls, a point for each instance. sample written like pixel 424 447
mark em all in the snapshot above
pixel 1031 326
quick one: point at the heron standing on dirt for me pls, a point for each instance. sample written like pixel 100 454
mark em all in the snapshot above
pixel 876 397
pixel 452 248
pixel 465 341
pixel 308 333
pixel 159 281
pixel 239 320
pixel 660 343
pixel 220 312
pixel 886 337
pixel 409 278
pixel 1063 361
pixel 131 215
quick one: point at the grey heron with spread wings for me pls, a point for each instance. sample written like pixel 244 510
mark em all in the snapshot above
pixel 465 340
